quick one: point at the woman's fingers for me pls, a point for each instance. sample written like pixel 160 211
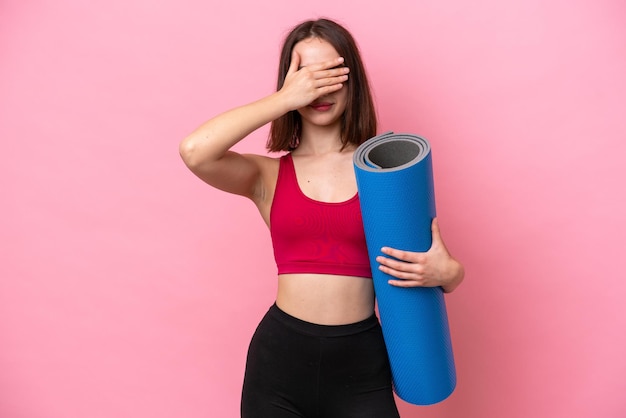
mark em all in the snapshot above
pixel 332 73
pixel 326 65
pixel 405 256
pixel 327 72
pixel 332 77
pixel 294 64
pixel 330 81
pixel 303 85
pixel 436 267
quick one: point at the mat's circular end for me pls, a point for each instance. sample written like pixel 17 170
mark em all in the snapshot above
pixel 390 152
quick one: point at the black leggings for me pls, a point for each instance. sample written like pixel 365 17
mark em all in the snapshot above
pixel 299 369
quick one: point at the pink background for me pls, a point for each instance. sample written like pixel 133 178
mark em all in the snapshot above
pixel 128 288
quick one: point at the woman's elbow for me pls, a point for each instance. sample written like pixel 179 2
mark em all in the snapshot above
pixel 188 150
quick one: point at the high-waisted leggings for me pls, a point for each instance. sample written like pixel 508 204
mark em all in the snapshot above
pixel 299 369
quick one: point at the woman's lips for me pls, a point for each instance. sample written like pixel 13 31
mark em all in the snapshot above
pixel 321 107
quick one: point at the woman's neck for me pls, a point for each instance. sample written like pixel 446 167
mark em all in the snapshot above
pixel 318 140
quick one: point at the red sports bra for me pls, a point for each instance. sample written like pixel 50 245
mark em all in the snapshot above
pixel 310 236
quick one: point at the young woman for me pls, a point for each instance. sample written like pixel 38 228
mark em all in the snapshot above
pixel 319 351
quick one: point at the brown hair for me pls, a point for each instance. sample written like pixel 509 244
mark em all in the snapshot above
pixel 358 121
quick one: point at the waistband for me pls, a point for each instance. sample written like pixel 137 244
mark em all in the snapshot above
pixel 318 330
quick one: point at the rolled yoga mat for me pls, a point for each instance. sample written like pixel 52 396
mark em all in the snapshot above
pixel 396 191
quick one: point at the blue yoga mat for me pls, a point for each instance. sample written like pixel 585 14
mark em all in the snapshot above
pixel 395 182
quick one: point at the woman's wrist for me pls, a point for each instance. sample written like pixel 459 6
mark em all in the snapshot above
pixel 281 102
pixel 457 273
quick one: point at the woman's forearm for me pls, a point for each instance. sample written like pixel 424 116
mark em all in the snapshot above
pixel 209 142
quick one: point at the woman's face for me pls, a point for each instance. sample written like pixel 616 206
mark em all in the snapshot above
pixel 326 110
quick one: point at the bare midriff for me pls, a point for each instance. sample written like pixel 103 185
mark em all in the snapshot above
pixel 326 299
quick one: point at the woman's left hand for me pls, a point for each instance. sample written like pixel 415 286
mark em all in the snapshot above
pixel 436 267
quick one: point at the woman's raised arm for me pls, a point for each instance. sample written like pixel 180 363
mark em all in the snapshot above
pixel 206 151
